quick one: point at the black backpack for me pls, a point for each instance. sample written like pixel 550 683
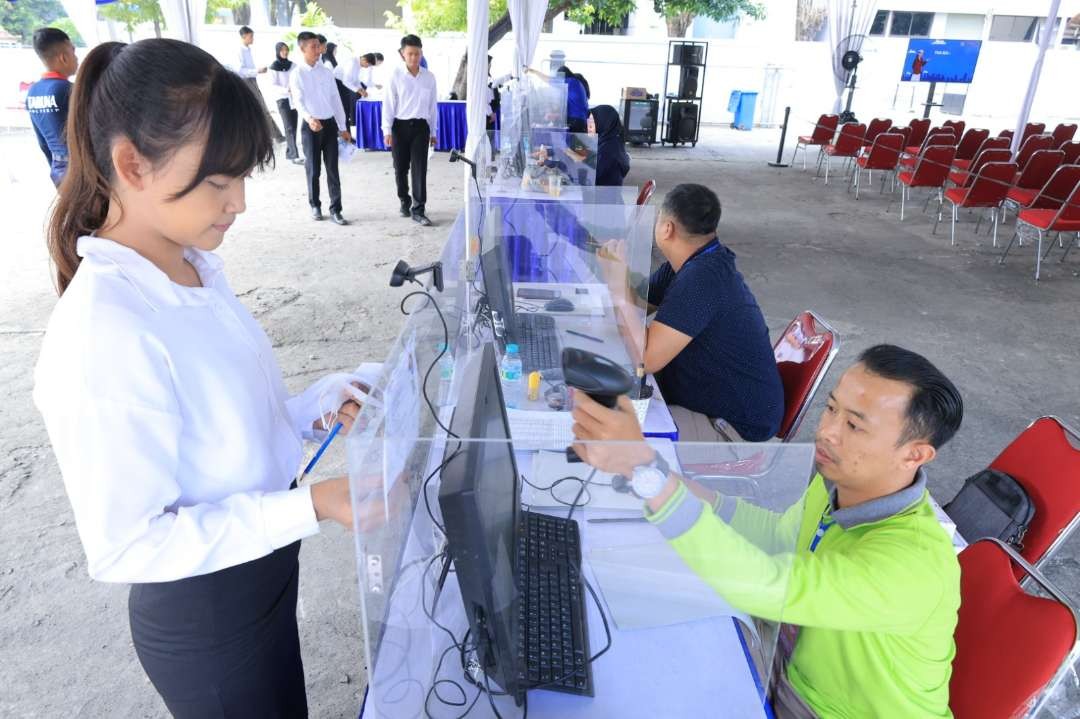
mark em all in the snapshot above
pixel 992 504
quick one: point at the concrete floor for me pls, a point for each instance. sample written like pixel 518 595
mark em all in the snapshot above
pixel 320 292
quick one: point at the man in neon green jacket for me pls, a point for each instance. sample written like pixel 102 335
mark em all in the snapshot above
pixel 873 585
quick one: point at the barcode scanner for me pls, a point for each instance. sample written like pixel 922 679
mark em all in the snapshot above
pixel 596 376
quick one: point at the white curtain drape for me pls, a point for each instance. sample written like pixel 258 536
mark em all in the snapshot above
pixel 84 14
pixel 1036 72
pixel 477 108
pixel 527 19
pixel 849 21
pixel 183 19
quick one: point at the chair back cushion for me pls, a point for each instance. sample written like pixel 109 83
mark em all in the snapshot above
pixel 1009 644
pixel 1063 133
pixel 1039 168
pixel 802 355
pixel 919 128
pixel 1058 188
pixel 825 128
pixel 991 184
pixel 970 143
pixel 933 166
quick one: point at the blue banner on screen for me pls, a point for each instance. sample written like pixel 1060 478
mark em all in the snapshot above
pixel 940 60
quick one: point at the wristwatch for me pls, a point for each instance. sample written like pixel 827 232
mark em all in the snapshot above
pixel 649 479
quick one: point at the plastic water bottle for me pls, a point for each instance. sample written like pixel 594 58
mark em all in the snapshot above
pixel 446 375
pixel 510 372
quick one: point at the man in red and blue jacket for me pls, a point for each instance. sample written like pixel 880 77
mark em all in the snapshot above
pixel 47 100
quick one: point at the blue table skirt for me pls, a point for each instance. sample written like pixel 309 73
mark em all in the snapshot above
pixel 452 125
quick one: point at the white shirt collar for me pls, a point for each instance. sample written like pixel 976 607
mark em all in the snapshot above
pixel 154 285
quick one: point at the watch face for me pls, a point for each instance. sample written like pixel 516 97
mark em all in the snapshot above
pixel 648 481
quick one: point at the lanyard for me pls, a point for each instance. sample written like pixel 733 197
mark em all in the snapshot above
pixel 822 527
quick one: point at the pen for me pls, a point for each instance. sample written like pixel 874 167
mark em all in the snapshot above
pixel 612 520
pixel 322 448
pixel 582 334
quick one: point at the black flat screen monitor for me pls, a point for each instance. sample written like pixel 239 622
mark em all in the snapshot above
pixel 499 290
pixel 480 500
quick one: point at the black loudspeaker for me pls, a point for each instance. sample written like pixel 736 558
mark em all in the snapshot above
pixel 686 54
pixel 688 82
pixel 682 122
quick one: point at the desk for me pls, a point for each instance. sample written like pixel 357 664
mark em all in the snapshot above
pixel 452 132
pixel 697 668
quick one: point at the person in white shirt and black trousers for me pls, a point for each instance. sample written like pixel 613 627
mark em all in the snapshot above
pixel 315 96
pixel 410 119
pixel 176 439
pixel 281 70
pixel 245 68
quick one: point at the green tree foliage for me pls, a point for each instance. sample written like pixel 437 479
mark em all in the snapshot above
pixel 132 13
pixel 432 16
pixel 24 16
pixel 68 25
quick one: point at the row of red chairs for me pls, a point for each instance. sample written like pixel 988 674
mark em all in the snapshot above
pixel 1040 183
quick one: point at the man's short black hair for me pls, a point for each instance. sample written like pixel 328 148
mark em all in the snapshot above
pixel 936 408
pixel 411 41
pixel 305 36
pixel 245 30
pixel 379 57
pixel 322 39
pixel 48 41
pixel 370 57
pixel 695 207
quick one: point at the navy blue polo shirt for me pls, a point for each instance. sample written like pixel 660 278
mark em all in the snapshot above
pixel 47 103
pixel 727 370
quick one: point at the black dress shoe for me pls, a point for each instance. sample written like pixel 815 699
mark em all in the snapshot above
pixel 338 219
pixel 406 212
pixel 421 219
pixel 316 213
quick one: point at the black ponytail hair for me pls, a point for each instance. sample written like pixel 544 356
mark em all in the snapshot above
pixel 184 95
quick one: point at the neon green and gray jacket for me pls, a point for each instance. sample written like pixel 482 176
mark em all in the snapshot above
pixel 876 601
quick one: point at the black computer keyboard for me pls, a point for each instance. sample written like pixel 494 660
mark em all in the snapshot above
pixel 553 636
pixel 538 342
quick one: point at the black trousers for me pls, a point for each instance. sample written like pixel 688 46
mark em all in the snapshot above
pixel 225 644
pixel 288 121
pixel 410 152
pixel 320 147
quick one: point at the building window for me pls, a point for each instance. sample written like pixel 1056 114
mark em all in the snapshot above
pixel 880 20
pixel 911 24
pixel 599 27
pixel 1014 28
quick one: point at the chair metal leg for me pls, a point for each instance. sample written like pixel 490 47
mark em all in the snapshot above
pixel 952 230
pixel 1050 246
pixel 995 221
pixel 857 175
pixel 828 166
pixel 1038 256
pixel 1069 247
pixel 977 224
pixel 903 198
pixel 1016 233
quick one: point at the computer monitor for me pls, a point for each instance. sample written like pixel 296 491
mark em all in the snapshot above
pixel 479 495
pixel 499 290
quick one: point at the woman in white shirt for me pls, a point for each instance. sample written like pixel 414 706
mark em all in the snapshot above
pixel 280 70
pixel 170 422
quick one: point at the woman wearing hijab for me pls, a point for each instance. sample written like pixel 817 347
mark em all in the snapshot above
pixel 612 161
pixel 280 70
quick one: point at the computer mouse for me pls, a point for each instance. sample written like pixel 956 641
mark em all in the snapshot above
pixel 559 304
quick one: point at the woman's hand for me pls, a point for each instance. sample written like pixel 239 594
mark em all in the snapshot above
pixel 332 499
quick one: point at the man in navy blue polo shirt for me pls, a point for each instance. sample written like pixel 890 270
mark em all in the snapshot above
pixel 47 99
pixel 708 344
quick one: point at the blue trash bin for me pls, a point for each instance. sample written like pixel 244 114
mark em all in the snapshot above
pixel 742 104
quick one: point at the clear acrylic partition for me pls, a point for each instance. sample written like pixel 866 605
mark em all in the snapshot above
pixel 584 264
pixel 695 621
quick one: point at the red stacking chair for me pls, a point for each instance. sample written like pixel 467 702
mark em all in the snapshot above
pixel 1012 648
pixel 848 143
pixel 1032 128
pixel 1008 134
pixel 905 131
pixel 970 143
pixel 931 170
pixel 991 143
pixel 919 129
pixel 991 183
pixel 646 192
pixel 1045 460
pixel 962 178
pixel 1063 133
pixel 1064 219
pixel 1072 153
pixel 822 134
pixel 956 125
pixel 1040 166
pixel 936 137
pixel 1032 145
pixel 803 355
pixel 877 126
pixel 883 155
pixel 1051 195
